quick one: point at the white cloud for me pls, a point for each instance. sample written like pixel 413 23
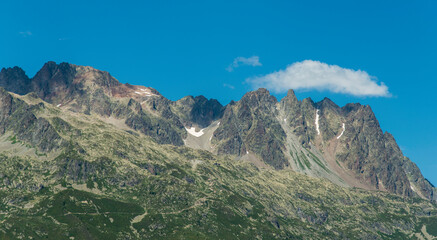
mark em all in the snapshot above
pixel 26 33
pixel 315 75
pixel 228 86
pixel 241 61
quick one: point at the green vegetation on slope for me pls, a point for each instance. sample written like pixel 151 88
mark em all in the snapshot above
pixel 108 183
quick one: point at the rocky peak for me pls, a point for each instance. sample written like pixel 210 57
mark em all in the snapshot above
pixel 328 104
pixel 308 103
pixel 186 101
pixel 205 111
pixel 54 71
pixel 57 81
pixel 250 126
pixel 289 102
pixel 53 80
pixel 291 96
pixel 254 127
pixel 15 80
pixel 259 99
pixel 350 107
pixel 16 72
pixel 199 110
pixel 89 75
pixel 366 112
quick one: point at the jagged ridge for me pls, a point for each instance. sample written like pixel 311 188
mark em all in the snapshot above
pixel 258 127
pixel 105 180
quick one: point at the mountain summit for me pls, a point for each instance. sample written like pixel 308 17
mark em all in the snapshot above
pixel 343 144
pixel 77 136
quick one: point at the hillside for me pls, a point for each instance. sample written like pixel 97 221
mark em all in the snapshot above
pixel 87 157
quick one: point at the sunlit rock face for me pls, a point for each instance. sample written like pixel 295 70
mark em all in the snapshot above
pixel 343 144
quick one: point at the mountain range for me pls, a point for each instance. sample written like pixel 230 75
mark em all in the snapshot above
pixel 87 157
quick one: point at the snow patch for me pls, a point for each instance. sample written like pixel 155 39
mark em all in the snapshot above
pixel 193 132
pixel 144 92
pixel 218 124
pixel 58 105
pixel 412 188
pixel 341 134
pixel 317 122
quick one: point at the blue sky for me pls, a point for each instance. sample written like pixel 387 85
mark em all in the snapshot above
pixel 213 47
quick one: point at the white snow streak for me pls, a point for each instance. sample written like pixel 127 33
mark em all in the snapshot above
pixel 144 92
pixel 341 134
pixel 412 188
pixel 193 132
pixel 317 122
pixel 58 105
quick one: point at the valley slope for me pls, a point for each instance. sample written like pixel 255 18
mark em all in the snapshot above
pixel 85 156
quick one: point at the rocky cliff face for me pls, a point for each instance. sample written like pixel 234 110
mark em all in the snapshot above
pixel 300 117
pixel 198 110
pixel 90 91
pixel 112 182
pixel 372 154
pixel 344 144
pixel 351 142
pixel 15 80
pixel 250 126
pixel 18 120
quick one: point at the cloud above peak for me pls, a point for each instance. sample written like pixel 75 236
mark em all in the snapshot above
pixel 241 61
pixel 315 75
pixel 25 33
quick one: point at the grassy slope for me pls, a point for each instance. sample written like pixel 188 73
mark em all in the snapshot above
pixel 106 178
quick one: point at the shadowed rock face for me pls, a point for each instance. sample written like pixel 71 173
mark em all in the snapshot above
pixel 161 131
pixel 256 125
pixel 18 118
pixel 54 81
pixel 15 80
pixel 199 110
